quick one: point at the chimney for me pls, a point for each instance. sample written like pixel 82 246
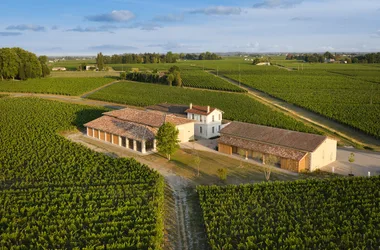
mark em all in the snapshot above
pixel 208 109
pixel 191 105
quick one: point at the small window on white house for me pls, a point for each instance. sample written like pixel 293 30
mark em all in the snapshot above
pixel 213 129
pixel 219 128
pixel 192 115
pixel 200 130
pixel 213 118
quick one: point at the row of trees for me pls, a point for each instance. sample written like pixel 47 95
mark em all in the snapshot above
pixel 172 77
pixel 314 58
pixel 16 63
pixel 147 58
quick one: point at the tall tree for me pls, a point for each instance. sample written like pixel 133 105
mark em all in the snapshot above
pixel 167 139
pixel 45 69
pixel 100 61
pixel 9 63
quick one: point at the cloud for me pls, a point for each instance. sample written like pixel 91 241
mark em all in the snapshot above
pixel 269 4
pixel 145 26
pixel 174 46
pixel 54 27
pixel 376 34
pixel 10 33
pixel 24 27
pixel 301 19
pixel 217 10
pixel 112 48
pixel 169 18
pixel 104 28
pixel 114 16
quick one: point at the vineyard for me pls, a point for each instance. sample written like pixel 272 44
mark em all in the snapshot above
pixel 236 106
pixel 200 79
pixel 58 86
pixel 350 98
pixel 55 194
pixel 338 213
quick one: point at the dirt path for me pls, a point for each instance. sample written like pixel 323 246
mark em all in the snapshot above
pixel 97 89
pixel 282 67
pixel 334 127
pixel 184 228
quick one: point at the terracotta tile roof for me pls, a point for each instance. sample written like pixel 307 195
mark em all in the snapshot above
pixel 170 108
pixel 122 128
pixel 200 110
pixel 149 118
pixel 262 147
pixel 275 136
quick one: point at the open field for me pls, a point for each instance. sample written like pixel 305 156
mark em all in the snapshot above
pixel 236 106
pixel 59 86
pixel 340 213
pixel 60 195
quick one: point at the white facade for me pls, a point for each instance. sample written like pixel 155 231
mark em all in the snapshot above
pixel 186 132
pixel 207 126
pixel 323 155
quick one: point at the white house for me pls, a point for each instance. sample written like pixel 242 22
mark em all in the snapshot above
pixel 208 120
pixel 263 63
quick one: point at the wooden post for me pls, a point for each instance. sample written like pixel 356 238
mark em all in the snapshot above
pixel 120 143
pixel 154 145
pixel 126 142
pixel 263 158
pixel 134 145
pixel 246 155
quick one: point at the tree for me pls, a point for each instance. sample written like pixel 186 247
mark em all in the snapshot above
pixel 167 139
pixel 270 160
pixel 242 153
pixel 256 61
pixel 170 79
pixel 351 159
pixel 222 173
pixel 9 63
pixel 177 78
pixel 45 69
pixel 123 75
pixel 100 61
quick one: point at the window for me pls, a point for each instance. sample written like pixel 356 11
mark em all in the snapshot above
pixel 200 130
pixel 219 128
pixel 213 118
pixel 213 129
pixel 192 115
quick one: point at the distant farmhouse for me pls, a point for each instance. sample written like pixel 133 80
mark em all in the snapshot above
pixel 58 69
pixel 263 63
pixel 291 150
pixel 136 130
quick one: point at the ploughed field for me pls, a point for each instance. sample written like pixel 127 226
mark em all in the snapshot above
pixel 235 105
pixel 341 213
pixel 59 86
pixel 55 194
pixel 350 96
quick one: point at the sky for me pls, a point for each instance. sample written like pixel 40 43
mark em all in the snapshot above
pixel 84 27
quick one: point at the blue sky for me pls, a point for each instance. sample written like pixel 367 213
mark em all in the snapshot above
pixel 117 26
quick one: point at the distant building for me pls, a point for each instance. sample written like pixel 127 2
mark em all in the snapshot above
pixel 263 63
pixel 290 150
pixel 208 120
pixel 329 60
pixel 58 69
pixel 91 67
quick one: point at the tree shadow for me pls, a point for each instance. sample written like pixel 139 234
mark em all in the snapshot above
pixel 86 115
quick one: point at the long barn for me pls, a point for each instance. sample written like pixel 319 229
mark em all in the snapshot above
pixel 290 150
